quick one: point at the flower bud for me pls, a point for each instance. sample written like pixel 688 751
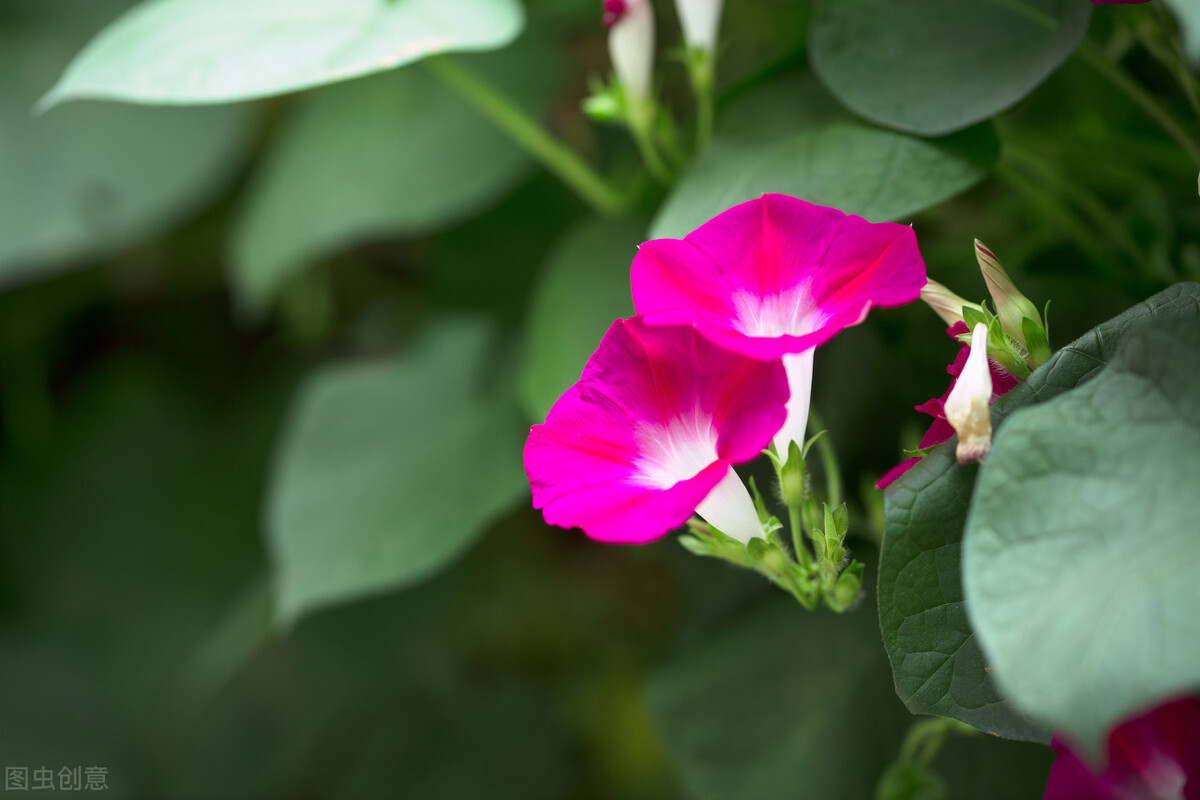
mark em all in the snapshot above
pixel 966 406
pixel 945 303
pixel 1011 306
pixel 631 44
pixel 699 19
pixel 791 477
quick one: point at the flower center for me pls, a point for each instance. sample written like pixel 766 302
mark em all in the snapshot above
pixel 676 451
pixel 791 312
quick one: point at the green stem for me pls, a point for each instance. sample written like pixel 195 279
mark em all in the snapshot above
pixel 1094 58
pixel 1105 220
pixel 553 154
pixel 237 637
pixel 1164 49
pixel 641 125
pixel 833 474
pixel 701 73
pixel 1059 215
pixel 802 555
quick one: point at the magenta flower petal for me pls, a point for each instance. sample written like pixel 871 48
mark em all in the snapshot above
pixel 776 275
pixel 651 428
pixel 1155 756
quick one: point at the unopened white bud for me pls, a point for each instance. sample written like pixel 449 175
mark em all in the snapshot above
pixel 967 406
pixel 945 303
pixel 631 44
pixel 700 19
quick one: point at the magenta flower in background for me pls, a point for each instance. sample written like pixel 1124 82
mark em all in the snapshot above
pixel 1155 756
pixel 774 278
pixel 649 434
pixel 941 430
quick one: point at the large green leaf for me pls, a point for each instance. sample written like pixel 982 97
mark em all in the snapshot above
pixel 80 181
pixel 218 51
pixel 1081 552
pixel 936 659
pixel 583 288
pixel 383 156
pixel 791 137
pixel 389 469
pixel 935 66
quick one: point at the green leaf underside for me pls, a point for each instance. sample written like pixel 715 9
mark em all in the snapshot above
pixel 937 66
pixel 83 181
pixel 388 155
pixel 219 51
pixel 936 660
pixel 1081 550
pixel 583 288
pixel 791 137
pixel 359 500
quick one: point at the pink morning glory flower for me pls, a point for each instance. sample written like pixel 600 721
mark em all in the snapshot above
pixel 1155 756
pixel 649 434
pixel 941 429
pixel 775 277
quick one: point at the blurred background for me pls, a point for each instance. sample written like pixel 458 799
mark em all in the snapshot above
pixel 239 342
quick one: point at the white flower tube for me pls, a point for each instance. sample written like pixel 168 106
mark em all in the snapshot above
pixel 631 44
pixel 700 19
pixel 966 407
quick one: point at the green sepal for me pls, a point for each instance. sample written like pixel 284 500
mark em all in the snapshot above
pixel 849 586
pixel 1036 342
pixel 974 316
pixel 791 477
pixel 759 504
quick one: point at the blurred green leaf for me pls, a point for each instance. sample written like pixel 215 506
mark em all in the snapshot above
pixel 583 287
pixel 936 659
pixel 791 137
pixel 383 156
pixel 81 181
pixel 388 470
pixel 507 733
pixel 1080 553
pixel 786 703
pixel 218 51
pixel 1188 13
pixel 936 66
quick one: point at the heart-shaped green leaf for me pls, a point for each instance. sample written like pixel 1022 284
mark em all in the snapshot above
pixel 792 138
pixel 583 287
pixel 390 469
pixel 79 182
pixel 936 659
pixel 219 51
pixel 1081 550
pixel 936 66
pixel 389 155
